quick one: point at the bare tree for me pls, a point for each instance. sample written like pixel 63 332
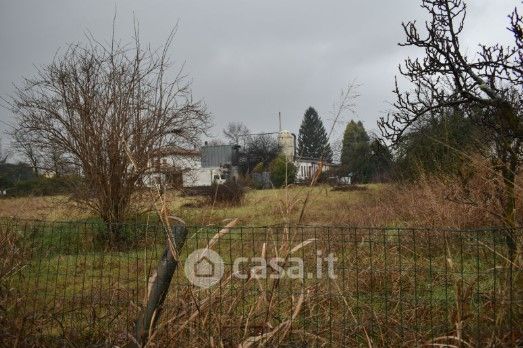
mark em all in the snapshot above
pixel 234 132
pixel 488 86
pixel 344 104
pixel 337 146
pixel 4 155
pixel 109 108
pixel 27 147
pixel 516 27
pixel 262 148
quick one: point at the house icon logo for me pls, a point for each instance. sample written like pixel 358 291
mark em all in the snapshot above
pixel 204 268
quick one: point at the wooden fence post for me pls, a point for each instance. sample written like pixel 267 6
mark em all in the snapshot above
pixel 158 287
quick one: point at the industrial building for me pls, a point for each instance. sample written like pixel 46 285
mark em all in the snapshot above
pixel 168 166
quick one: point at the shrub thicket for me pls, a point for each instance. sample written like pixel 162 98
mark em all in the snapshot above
pixel 42 186
pixel 231 192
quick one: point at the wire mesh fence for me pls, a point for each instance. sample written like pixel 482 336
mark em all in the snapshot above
pixel 72 284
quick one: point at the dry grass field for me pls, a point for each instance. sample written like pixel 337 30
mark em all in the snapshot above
pixel 396 286
pixel 50 208
pixel 431 202
pixel 260 207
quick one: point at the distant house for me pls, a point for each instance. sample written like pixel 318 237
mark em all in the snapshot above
pixel 221 156
pixel 167 165
pixel 306 168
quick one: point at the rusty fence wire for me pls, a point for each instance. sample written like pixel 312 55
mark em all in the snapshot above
pixel 80 284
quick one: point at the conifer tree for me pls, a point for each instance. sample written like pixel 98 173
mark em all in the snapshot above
pixel 312 138
pixel 355 151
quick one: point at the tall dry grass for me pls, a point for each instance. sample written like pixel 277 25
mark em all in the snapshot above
pixel 13 258
pixel 471 199
pixel 386 296
pixel 396 287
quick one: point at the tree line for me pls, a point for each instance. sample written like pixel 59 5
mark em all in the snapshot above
pixel 364 158
pixel 104 110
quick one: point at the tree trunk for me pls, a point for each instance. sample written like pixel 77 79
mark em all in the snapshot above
pixel 113 218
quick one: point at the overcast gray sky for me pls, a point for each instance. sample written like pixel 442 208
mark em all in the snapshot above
pixel 248 59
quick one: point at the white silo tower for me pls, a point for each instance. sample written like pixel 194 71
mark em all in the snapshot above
pixel 286 142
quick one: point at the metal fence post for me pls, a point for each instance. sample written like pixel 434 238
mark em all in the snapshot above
pixel 158 286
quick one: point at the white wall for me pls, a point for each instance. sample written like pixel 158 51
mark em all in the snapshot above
pixel 306 169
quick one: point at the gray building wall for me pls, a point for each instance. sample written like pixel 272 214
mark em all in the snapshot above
pixel 219 155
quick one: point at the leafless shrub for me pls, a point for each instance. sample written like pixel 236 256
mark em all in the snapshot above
pixel 108 108
pixel 231 192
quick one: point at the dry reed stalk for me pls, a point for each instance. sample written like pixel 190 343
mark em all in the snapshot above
pixel 221 233
pixel 460 314
pixel 311 335
pixel 204 304
pixel 255 307
pixel 369 341
pixel 460 342
pixel 264 338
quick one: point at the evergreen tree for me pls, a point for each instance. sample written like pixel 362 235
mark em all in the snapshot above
pixel 438 144
pixel 380 161
pixel 312 139
pixel 355 152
